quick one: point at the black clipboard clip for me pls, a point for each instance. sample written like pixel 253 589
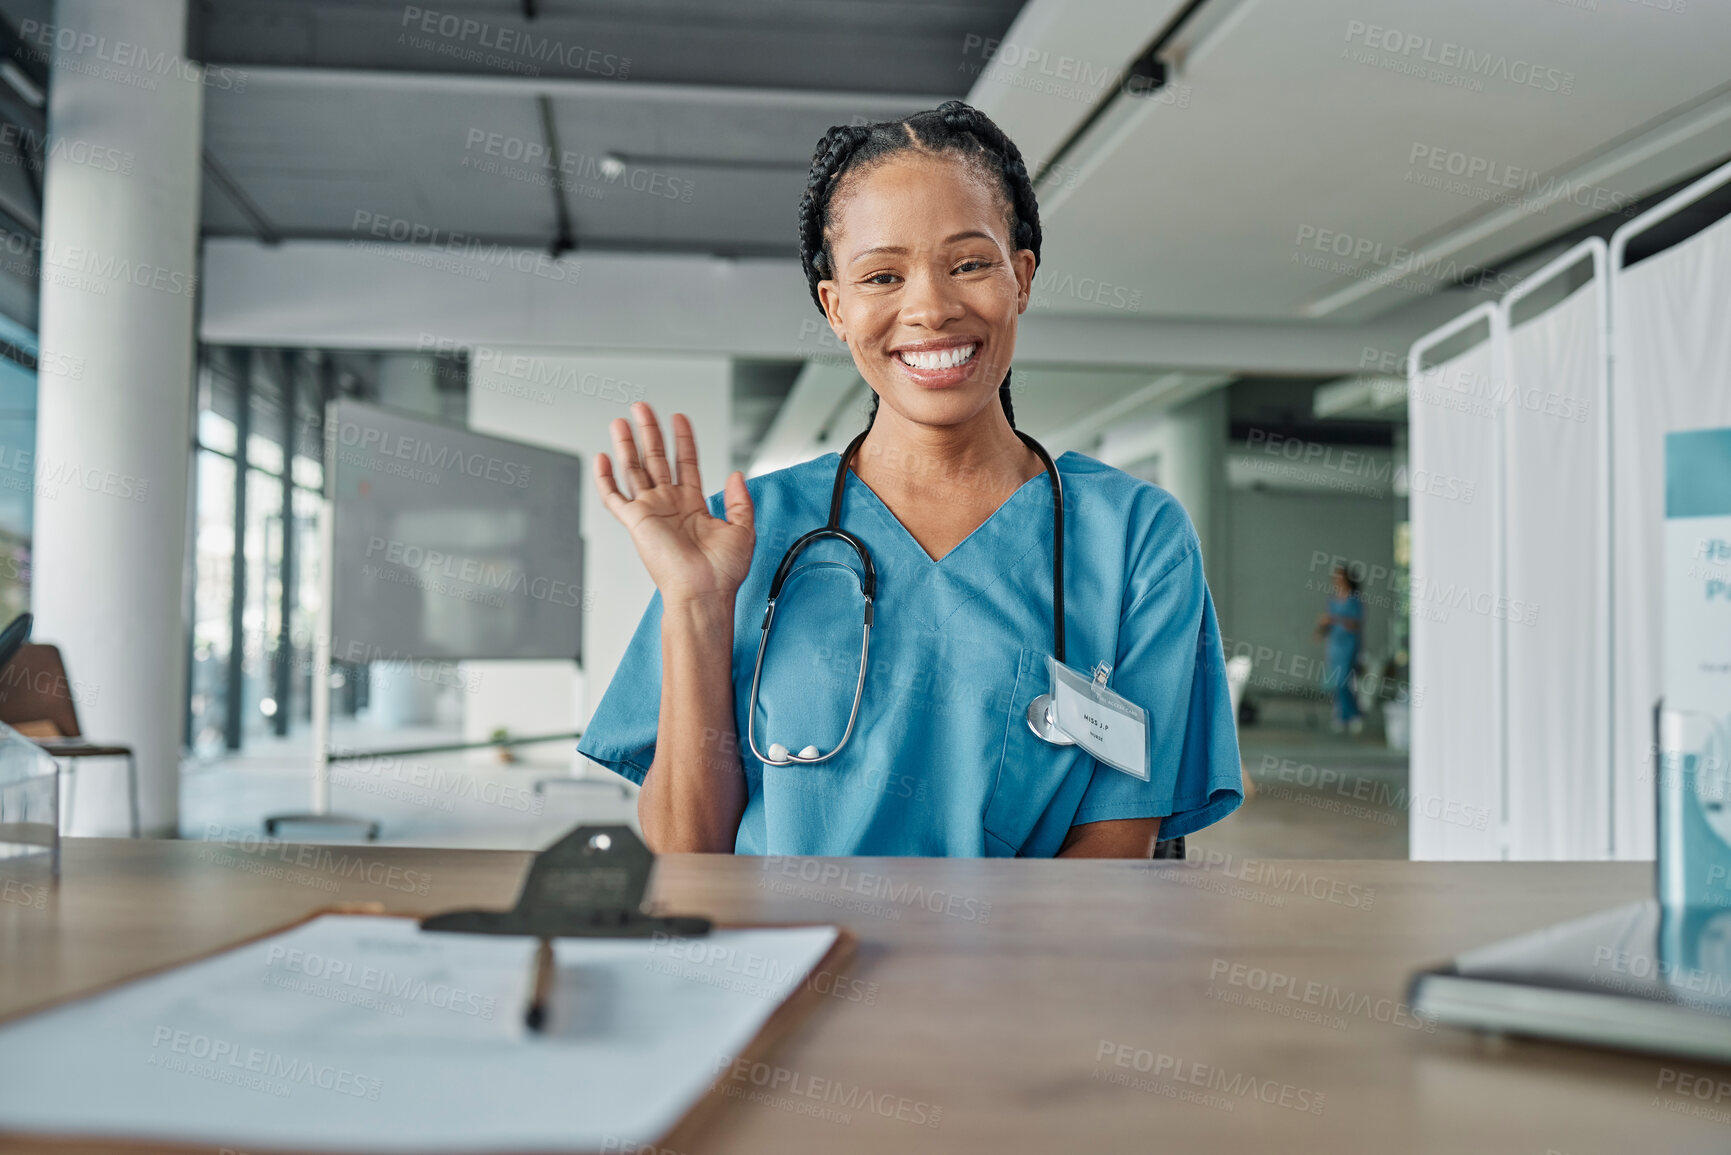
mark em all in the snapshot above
pixel 589 884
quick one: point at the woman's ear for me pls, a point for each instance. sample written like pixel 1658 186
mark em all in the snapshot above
pixel 830 298
pixel 1022 261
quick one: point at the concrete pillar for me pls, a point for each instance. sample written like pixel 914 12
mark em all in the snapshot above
pixel 1193 467
pixel 1183 450
pixel 119 264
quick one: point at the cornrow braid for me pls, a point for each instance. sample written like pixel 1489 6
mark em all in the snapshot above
pixel 954 128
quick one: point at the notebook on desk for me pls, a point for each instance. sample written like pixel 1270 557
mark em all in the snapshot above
pixel 362 1033
pixel 1638 977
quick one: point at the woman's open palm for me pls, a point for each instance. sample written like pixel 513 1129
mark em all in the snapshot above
pixel 689 553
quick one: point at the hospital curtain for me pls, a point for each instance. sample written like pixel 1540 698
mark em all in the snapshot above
pixel 1455 804
pixel 1558 758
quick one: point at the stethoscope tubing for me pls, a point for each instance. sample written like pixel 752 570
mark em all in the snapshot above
pixel 858 693
pixel 831 530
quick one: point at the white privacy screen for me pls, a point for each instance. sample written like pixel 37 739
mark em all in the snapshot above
pixel 1455 438
pixel 1555 582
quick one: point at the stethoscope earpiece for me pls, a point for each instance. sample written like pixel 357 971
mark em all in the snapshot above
pixel 779 756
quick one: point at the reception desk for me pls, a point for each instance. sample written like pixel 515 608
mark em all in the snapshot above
pixel 1008 1006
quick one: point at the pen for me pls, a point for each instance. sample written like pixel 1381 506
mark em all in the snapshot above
pixel 536 1016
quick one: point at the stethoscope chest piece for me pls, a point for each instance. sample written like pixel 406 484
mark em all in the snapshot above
pixel 1040 720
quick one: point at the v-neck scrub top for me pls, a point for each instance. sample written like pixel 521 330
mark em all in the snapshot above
pixel 942 761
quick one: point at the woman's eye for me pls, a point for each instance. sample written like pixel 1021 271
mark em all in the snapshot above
pixel 881 279
pixel 971 266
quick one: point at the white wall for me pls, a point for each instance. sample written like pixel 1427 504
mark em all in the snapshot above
pixel 566 401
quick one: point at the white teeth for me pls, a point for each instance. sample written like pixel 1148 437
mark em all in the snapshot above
pixel 938 358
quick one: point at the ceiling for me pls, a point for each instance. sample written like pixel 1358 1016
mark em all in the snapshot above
pixel 1337 160
pixel 1303 166
pixel 628 125
pixel 1296 165
pixel 881 46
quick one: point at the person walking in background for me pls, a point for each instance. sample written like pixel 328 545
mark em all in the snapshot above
pixel 1340 629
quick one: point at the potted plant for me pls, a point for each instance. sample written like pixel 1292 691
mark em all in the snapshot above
pixel 501 736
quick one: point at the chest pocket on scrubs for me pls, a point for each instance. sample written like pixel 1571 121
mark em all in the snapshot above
pixel 1032 772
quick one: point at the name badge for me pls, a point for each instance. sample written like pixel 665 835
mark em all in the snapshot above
pixel 1110 727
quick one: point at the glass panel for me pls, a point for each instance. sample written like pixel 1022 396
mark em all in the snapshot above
pixel 310 375
pixel 304 609
pixel 215 431
pixel 263 452
pixel 217 406
pixel 261 619
pixel 17 489
pixel 29 814
pixel 213 557
pixel 264 443
pixel 309 473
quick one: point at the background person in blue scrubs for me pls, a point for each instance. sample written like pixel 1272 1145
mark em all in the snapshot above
pixel 919 239
pixel 1339 629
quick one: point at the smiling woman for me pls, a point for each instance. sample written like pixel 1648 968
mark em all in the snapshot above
pixel 919 239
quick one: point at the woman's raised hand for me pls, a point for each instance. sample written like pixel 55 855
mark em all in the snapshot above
pixel 690 555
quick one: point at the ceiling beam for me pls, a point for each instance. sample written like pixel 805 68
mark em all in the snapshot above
pixel 1705 125
pixel 1373 396
pixel 566 240
pixel 327 80
pixel 819 395
pixel 262 226
pixel 449 239
pixel 1162 393
pixel 374 295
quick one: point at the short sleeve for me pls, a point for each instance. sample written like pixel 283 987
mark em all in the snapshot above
pixel 621 733
pixel 1170 663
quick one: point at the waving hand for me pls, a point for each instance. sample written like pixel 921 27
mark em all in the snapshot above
pixel 690 554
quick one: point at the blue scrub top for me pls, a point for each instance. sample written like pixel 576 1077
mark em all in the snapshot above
pixel 942 761
pixel 1340 639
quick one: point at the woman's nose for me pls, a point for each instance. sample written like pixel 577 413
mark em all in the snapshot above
pixel 930 301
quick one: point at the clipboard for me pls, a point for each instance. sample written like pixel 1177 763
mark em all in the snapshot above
pixel 765 1025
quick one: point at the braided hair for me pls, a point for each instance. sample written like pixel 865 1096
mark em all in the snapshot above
pixel 953 128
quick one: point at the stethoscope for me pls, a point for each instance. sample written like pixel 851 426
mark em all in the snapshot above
pixel 1040 710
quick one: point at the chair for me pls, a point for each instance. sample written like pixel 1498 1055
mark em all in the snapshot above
pixel 36 700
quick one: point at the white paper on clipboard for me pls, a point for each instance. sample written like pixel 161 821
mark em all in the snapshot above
pixel 356 1033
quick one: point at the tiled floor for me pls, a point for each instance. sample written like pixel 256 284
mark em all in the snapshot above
pixel 450 799
pixel 1316 795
